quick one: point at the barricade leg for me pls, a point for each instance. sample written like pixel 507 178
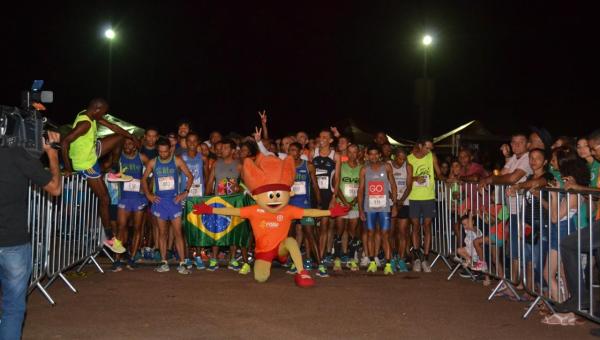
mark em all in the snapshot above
pixel 45 293
pixel 444 259
pixel 67 282
pixel 508 286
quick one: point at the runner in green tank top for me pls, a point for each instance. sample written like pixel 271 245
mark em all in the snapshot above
pixel 81 150
pixel 346 240
pixel 422 200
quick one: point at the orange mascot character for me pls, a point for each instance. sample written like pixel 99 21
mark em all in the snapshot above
pixel 269 179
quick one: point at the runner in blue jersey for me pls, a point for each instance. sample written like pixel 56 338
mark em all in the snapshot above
pixel 166 202
pixel 132 200
pixel 305 184
pixel 198 166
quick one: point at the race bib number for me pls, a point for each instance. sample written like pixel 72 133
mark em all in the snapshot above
pixel 166 183
pixel 351 190
pixel 132 186
pixel 195 191
pixel 299 188
pixel 323 182
pixel 376 194
pixel 424 184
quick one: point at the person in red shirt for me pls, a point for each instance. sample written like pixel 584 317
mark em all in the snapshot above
pixel 270 179
pixel 471 171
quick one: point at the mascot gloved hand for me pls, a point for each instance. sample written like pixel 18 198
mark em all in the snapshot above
pixel 270 179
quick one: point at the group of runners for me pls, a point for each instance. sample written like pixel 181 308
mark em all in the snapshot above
pixel 390 193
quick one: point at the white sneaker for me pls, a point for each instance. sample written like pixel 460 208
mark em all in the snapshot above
pixel 416 266
pixel 425 267
pixel 364 262
pixel 164 267
pixel 377 262
pixel 181 269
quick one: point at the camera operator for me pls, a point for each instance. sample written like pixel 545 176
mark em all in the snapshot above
pixel 18 167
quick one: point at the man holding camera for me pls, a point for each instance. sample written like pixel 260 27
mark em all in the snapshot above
pixel 20 167
pixel 82 147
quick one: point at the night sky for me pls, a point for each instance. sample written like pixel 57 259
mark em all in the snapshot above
pixel 309 65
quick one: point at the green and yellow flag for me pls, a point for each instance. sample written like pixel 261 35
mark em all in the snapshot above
pixel 217 230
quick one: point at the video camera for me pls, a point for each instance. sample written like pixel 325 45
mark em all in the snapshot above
pixel 24 126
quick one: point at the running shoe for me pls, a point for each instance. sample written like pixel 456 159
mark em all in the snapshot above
pixel 113 244
pixel 213 265
pixel 245 269
pixel 401 266
pixel 465 274
pixel 387 270
pixel 182 269
pixel 234 265
pixel 188 263
pixel 199 263
pixel 118 177
pixel 337 265
pixel 117 266
pixel 131 265
pixel 416 266
pixel 164 267
pixel 372 267
pixel 292 269
pixel 303 279
pixel 308 264
pixel 322 271
pixel 328 260
pixel 364 262
pixel 393 263
pixel 353 265
pixel 345 259
pixel 377 262
pixel 425 266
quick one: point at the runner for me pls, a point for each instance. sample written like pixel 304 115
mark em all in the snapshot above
pixel 342 147
pixel 305 181
pixel 149 221
pixel 166 202
pixel 422 201
pixel 183 128
pixel 198 166
pixel 403 173
pixel 347 195
pixel 376 189
pixel 80 152
pixel 224 180
pixel 132 201
pixel 327 167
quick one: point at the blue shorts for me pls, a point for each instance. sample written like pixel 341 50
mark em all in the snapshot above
pixel 381 218
pixel 133 204
pixel 167 209
pixel 93 172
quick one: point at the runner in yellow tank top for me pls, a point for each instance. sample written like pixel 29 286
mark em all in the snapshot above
pixel 81 150
pixel 422 200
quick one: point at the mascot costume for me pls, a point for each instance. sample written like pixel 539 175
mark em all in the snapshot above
pixel 270 179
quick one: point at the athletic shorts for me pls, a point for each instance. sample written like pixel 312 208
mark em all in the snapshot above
pixel 352 214
pixel 132 204
pixel 378 218
pixel 93 172
pixel 421 208
pixel 270 255
pixel 326 196
pixel 403 211
pixel 167 209
pixel 308 221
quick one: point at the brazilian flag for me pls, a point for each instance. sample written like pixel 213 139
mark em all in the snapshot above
pixel 217 230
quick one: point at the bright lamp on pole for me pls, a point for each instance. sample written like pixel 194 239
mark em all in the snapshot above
pixel 427 40
pixel 110 34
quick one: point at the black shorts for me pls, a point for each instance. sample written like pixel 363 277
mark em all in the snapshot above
pixel 403 211
pixel 425 208
pixel 326 196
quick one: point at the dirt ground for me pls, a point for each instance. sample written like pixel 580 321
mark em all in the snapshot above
pixel 146 305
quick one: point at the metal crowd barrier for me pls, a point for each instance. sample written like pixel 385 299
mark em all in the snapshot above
pixel 65 232
pixel 519 237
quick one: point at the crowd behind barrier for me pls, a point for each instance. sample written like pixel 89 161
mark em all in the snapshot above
pixel 65 232
pixel 543 242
